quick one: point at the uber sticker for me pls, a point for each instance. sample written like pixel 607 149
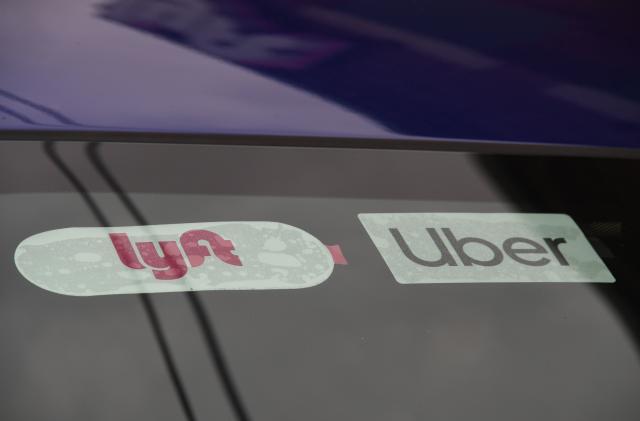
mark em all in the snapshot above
pixel 179 257
pixel 484 247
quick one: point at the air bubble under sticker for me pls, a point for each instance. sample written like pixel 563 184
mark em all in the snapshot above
pixel 178 257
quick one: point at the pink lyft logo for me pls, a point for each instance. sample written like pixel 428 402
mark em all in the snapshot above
pixel 243 255
pixel 173 265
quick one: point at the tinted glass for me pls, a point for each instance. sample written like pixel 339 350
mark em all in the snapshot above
pixel 358 346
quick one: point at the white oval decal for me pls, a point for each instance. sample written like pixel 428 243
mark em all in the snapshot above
pixel 177 257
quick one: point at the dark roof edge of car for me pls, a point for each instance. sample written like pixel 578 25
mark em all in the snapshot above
pixel 427 144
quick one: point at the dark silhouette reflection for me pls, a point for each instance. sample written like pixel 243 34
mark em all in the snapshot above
pixel 600 195
pixel 205 324
pixel 145 300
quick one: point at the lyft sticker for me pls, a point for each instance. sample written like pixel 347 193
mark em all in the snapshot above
pixel 179 257
pixel 484 247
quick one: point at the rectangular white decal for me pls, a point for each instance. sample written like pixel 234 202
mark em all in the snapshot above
pixel 484 247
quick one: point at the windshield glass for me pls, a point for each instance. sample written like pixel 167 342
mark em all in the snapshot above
pixel 361 344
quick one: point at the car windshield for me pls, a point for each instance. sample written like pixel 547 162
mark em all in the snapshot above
pixel 371 340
